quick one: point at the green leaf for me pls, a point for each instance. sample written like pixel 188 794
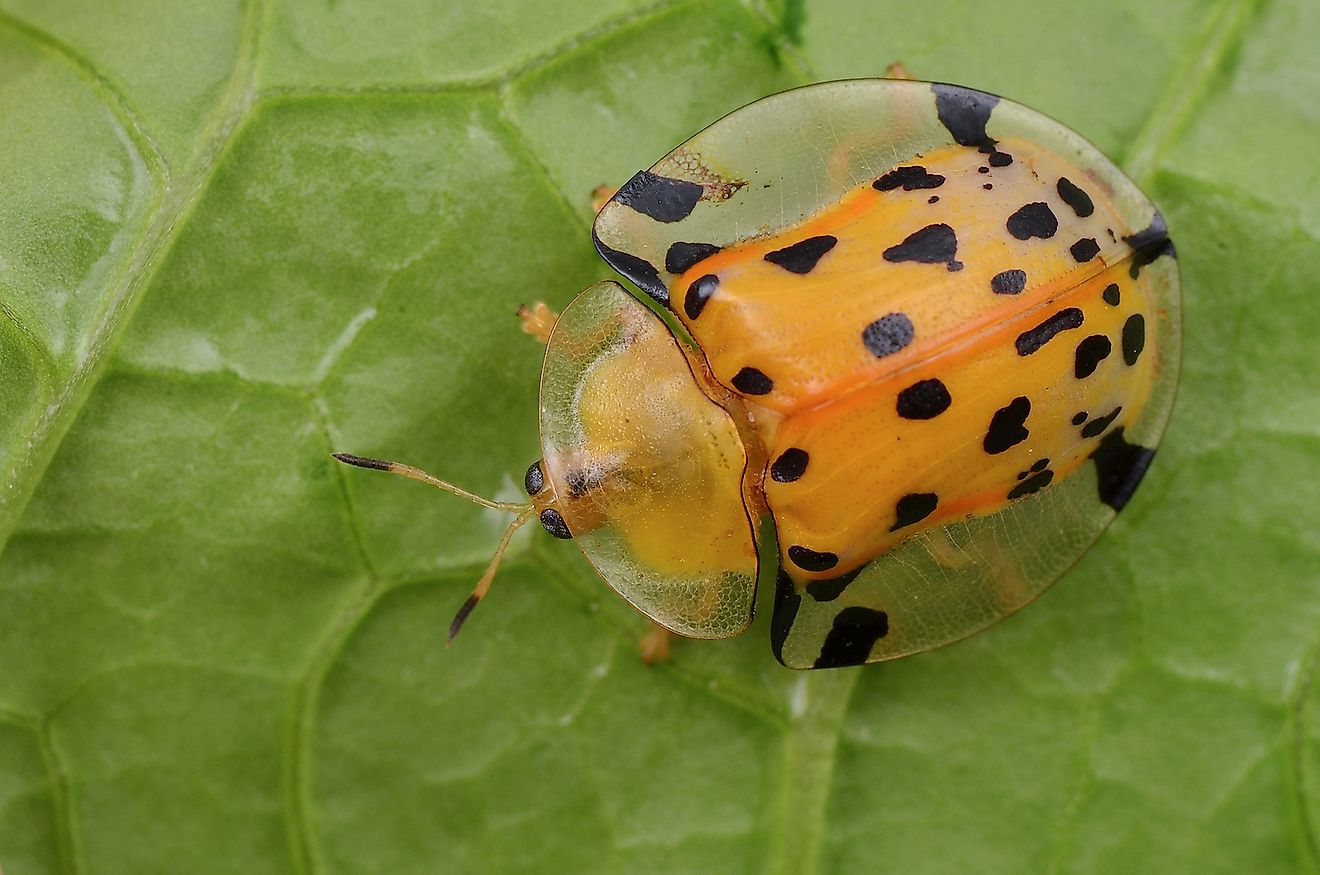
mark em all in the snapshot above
pixel 237 236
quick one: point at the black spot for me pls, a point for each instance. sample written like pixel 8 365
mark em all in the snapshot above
pixel 1090 353
pixel 850 639
pixel 888 334
pixel 1119 467
pixel 831 588
pixel 1111 295
pixel 534 479
pixel 682 256
pixel 926 399
pixel 1030 341
pixel 787 602
pixel 983 169
pixel 810 560
pixel 965 113
pixel 750 381
pixel 1084 250
pixel 910 178
pixel 913 508
pixel 1074 197
pixel 1007 426
pixel 642 273
pixel 933 199
pixel 699 293
pixel 1079 417
pixel 553 523
pixel 1039 465
pixel 1008 282
pixel 802 256
pixel 1097 426
pixel 1000 159
pixel 661 198
pixel 987 186
pixel 1034 483
pixel 1033 220
pixel 1134 338
pixel 1149 244
pixel 933 244
pixel 791 464
pixel 1022 475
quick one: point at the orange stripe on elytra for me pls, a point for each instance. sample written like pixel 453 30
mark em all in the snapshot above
pixel 949 350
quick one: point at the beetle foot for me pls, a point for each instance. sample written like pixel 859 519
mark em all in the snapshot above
pixel 654 645
pixel 538 320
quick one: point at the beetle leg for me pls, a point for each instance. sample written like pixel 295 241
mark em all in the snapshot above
pixel 896 70
pixel 600 195
pixel 537 320
pixel 654 645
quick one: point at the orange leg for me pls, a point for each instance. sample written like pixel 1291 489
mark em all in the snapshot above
pixel 538 320
pixel 600 195
pixel 896 70
pixel 654 645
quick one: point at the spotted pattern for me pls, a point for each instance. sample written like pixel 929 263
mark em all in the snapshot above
pixel 1149 244
pixel 750 381
pixel 639 270
pixel 682 257
pixel 803 256
pixel 660 197
pixel 1119 466
pixel 811 560
pixel 925 399
pixel 699 293
pixel 1008 282
pixel 1084 250
pixel 933 244
pixel 1100 424
pixel 1074 197
pixel 1035 483
pixel 964 114
pixel 1090 353
pixel 913 508
pixel 856 629
pixel 1008 426
pixel 1064 320
pixel 1033 220
pixel 1134 338
pixel 888 334
pixel 787 604
pixel 790 466
pixel 909 179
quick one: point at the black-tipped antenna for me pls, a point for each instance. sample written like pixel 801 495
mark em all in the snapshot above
pixel 483 585
pixel 524 512
pixel 418 474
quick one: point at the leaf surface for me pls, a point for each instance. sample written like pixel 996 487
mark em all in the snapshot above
pixel 237 236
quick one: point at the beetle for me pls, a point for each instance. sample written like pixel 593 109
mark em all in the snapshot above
pixel 929 334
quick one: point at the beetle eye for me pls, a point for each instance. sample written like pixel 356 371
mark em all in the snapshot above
pixel 553 522
pixel 534 479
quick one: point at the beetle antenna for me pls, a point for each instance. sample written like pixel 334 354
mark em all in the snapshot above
pixel 418 474
pixel 483 585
